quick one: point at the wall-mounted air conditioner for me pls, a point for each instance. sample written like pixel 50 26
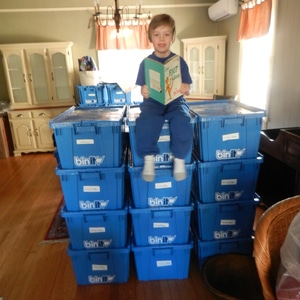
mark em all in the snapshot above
pixel 223 9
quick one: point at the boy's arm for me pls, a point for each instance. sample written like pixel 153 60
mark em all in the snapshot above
pixel 185 89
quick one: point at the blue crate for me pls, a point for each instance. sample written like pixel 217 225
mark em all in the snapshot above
pixel 95 229
pixel 114 95
pixel 164 156
pixel 164 262
pixel 206 249
pixel 92 189
pixel 100 266
pixel 228 180
pixel 91 96
pixel 164 190
pixel 161 226
pixel 216 221
pixel 89 137
pixel 226 130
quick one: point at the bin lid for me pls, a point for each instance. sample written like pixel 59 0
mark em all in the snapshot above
pixel 101 115
pixel 224 108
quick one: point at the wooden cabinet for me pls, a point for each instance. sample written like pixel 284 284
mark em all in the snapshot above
pixel 39 74
pixel 31 131
pixel 205 57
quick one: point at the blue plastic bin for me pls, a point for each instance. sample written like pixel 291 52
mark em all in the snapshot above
pixel 165 156
pixel 161 226
pixel 115 95
pixel 92 189
pixel 225 220
pixel 89 137
pixel 229 180
pixel 90 96
pixel 226 130
pixel 164 262
pixel 100 266
pixel 164 190
pixel 95 229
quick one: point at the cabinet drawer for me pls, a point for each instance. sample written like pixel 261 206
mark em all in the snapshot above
pixel 47 113
pixel 19 114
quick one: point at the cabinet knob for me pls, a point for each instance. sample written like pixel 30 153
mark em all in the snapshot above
pixel 42 115
pixel 20 116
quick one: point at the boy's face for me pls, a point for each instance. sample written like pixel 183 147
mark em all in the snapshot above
pixel 162 38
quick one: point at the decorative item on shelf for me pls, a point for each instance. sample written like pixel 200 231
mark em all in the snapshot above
pixel 118 14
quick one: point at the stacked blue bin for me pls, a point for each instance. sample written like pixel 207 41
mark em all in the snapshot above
pixel 103 94
pixel 226 149
pixel 160 210
pixel 91 168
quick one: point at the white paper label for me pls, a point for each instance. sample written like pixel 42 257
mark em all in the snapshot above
pixel 232 181
pixel 85 142
pixel 160 225
pixel 91 189
pixel 227 222
pixel 164 138
pixel 231 136
pixel 99 267
pixel 163 185
pixel 96 229
pixel 163 263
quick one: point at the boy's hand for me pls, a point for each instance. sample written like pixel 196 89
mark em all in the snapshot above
pixel 185 89
pixel 145 91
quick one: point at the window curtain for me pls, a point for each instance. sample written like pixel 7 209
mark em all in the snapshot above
pixel 255 19
pixel 132 34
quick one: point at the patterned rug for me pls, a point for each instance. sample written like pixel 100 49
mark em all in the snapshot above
pixel 57 231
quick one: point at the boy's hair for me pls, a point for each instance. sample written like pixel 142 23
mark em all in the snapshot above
pixel 161 20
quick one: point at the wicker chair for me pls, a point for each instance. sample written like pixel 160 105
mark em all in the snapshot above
pixel 270 233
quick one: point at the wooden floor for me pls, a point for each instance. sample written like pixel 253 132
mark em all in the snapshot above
pixel 30 193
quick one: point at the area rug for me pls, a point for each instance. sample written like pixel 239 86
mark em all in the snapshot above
pixel 57 231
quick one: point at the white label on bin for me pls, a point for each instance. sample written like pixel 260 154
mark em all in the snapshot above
pixel 99 267
pixel 163 263
pixel 164 138
pixel 228 222
pixel 85 142
pixel 92 95
pixel 163 185
pixel 161 225
pixel 91 189
pixel 96 229
pixel 232 181
pixel 231 136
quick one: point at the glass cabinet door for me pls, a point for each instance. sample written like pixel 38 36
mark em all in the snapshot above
pixel 194 68
pixel 209 61
pixel 38 76
pixel 18 80
pixel 60 75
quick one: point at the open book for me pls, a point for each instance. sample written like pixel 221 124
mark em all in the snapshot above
pixel 163 80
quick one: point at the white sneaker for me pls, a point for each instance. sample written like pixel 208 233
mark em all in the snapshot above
pixel 148 173
pixel 179 171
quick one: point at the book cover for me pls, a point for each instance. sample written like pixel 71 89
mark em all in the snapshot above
pixel 163 80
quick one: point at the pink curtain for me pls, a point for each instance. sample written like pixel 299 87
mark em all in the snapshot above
pixel 255 19
pixel 132 35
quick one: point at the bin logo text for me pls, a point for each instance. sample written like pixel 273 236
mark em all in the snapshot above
pixel 164 201
pixel 96 204
pixel 163 157
pixel 101 279
pixel 229 154
pixel 232 195
pixel 97 244
pixel 222 234
pixel 83 161
pixel 164 239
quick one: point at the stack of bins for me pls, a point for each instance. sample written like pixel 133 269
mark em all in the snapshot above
pixel 160 210
pixel 226 148
pixel 91 170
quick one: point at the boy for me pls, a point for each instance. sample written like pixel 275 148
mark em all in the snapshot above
pixel 153 114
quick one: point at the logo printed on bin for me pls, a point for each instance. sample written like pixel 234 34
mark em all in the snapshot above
pixel 96 204
pixel 226 234
pixel 232 195
pixel 101 279
pixel 82 161
pixel 164 239
pixel 163 157
pixel 164 201
pixel 97 244
pixel 229 154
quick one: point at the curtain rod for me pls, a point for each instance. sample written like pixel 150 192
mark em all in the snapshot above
pixel 28 10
